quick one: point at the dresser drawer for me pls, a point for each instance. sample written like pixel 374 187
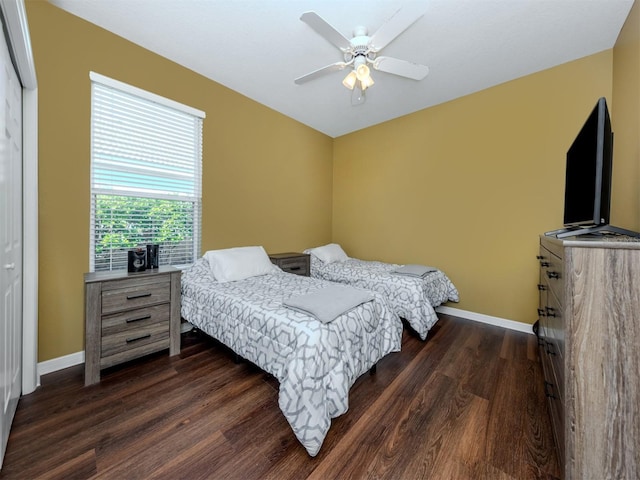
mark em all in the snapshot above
pixel 553 371
pixel 543 293
pixel 556 409
pixel 555 399
pixel 129 294
pixel 552 269
pixel 555 324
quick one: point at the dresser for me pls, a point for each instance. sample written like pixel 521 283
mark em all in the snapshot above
pixel 128 315
pixel 298 263
pixel 589 339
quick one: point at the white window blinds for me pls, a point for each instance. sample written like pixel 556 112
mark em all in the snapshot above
pixel 146 167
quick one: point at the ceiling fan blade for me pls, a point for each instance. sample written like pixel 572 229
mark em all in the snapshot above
pixel 403 68
pixel 398 23
pixel 334 67
pixel 322 27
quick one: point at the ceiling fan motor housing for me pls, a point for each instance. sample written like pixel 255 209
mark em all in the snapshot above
pixel 360 46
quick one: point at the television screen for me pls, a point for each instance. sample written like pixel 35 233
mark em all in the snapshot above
pixel 587 197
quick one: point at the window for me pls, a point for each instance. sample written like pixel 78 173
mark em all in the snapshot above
pixel 146 170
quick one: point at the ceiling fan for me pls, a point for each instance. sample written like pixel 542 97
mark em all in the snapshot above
pixel 361 52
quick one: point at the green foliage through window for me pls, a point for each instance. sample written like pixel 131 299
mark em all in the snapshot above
pixel 123 223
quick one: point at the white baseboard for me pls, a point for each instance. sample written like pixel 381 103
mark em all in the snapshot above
pixel 77 358
pixel 488 319
pixel 60 363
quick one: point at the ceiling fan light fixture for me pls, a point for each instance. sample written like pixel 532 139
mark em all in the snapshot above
pixel 362 72
pixel 367 82
pixel 350 80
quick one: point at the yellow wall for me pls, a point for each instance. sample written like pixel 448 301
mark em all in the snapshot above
pixel 469 185
pixel 625 121
pixel 267 179
pixel 466 186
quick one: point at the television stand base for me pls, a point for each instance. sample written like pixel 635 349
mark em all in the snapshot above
pixel 594 230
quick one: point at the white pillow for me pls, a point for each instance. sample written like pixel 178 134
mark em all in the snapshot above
pixel 329 253
pixel 238 263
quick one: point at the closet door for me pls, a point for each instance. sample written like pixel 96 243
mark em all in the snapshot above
pixel 11 243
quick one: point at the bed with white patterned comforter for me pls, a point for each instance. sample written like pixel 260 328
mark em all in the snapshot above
pixel 412 298
pixel 316 363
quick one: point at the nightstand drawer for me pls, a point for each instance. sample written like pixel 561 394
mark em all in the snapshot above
pixel 294 265
pixel 126 295
pixel 133 319
pixel 134 342
pixel 298 263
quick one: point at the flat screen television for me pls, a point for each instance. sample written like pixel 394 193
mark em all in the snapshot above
pixel 587 194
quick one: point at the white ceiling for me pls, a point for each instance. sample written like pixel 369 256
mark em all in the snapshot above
pixel 258 47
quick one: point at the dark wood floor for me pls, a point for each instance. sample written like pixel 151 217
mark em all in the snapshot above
pixel 468 403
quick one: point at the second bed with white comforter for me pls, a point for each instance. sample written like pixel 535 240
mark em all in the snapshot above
pixel 413 298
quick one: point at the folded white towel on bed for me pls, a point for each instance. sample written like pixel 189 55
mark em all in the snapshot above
pixel 414 270
pixel 330 302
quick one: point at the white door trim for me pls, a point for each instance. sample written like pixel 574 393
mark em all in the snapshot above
pixel 15 17
pixel 30 377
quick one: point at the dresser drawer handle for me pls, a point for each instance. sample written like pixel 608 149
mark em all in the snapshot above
pixel 547 393
pixel 553 275
pixel 550 349
pixel 140 295
pixel 137 319
pixel 141 337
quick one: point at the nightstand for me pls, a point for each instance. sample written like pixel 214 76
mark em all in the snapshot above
pixel 290 262
pixel 128 315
